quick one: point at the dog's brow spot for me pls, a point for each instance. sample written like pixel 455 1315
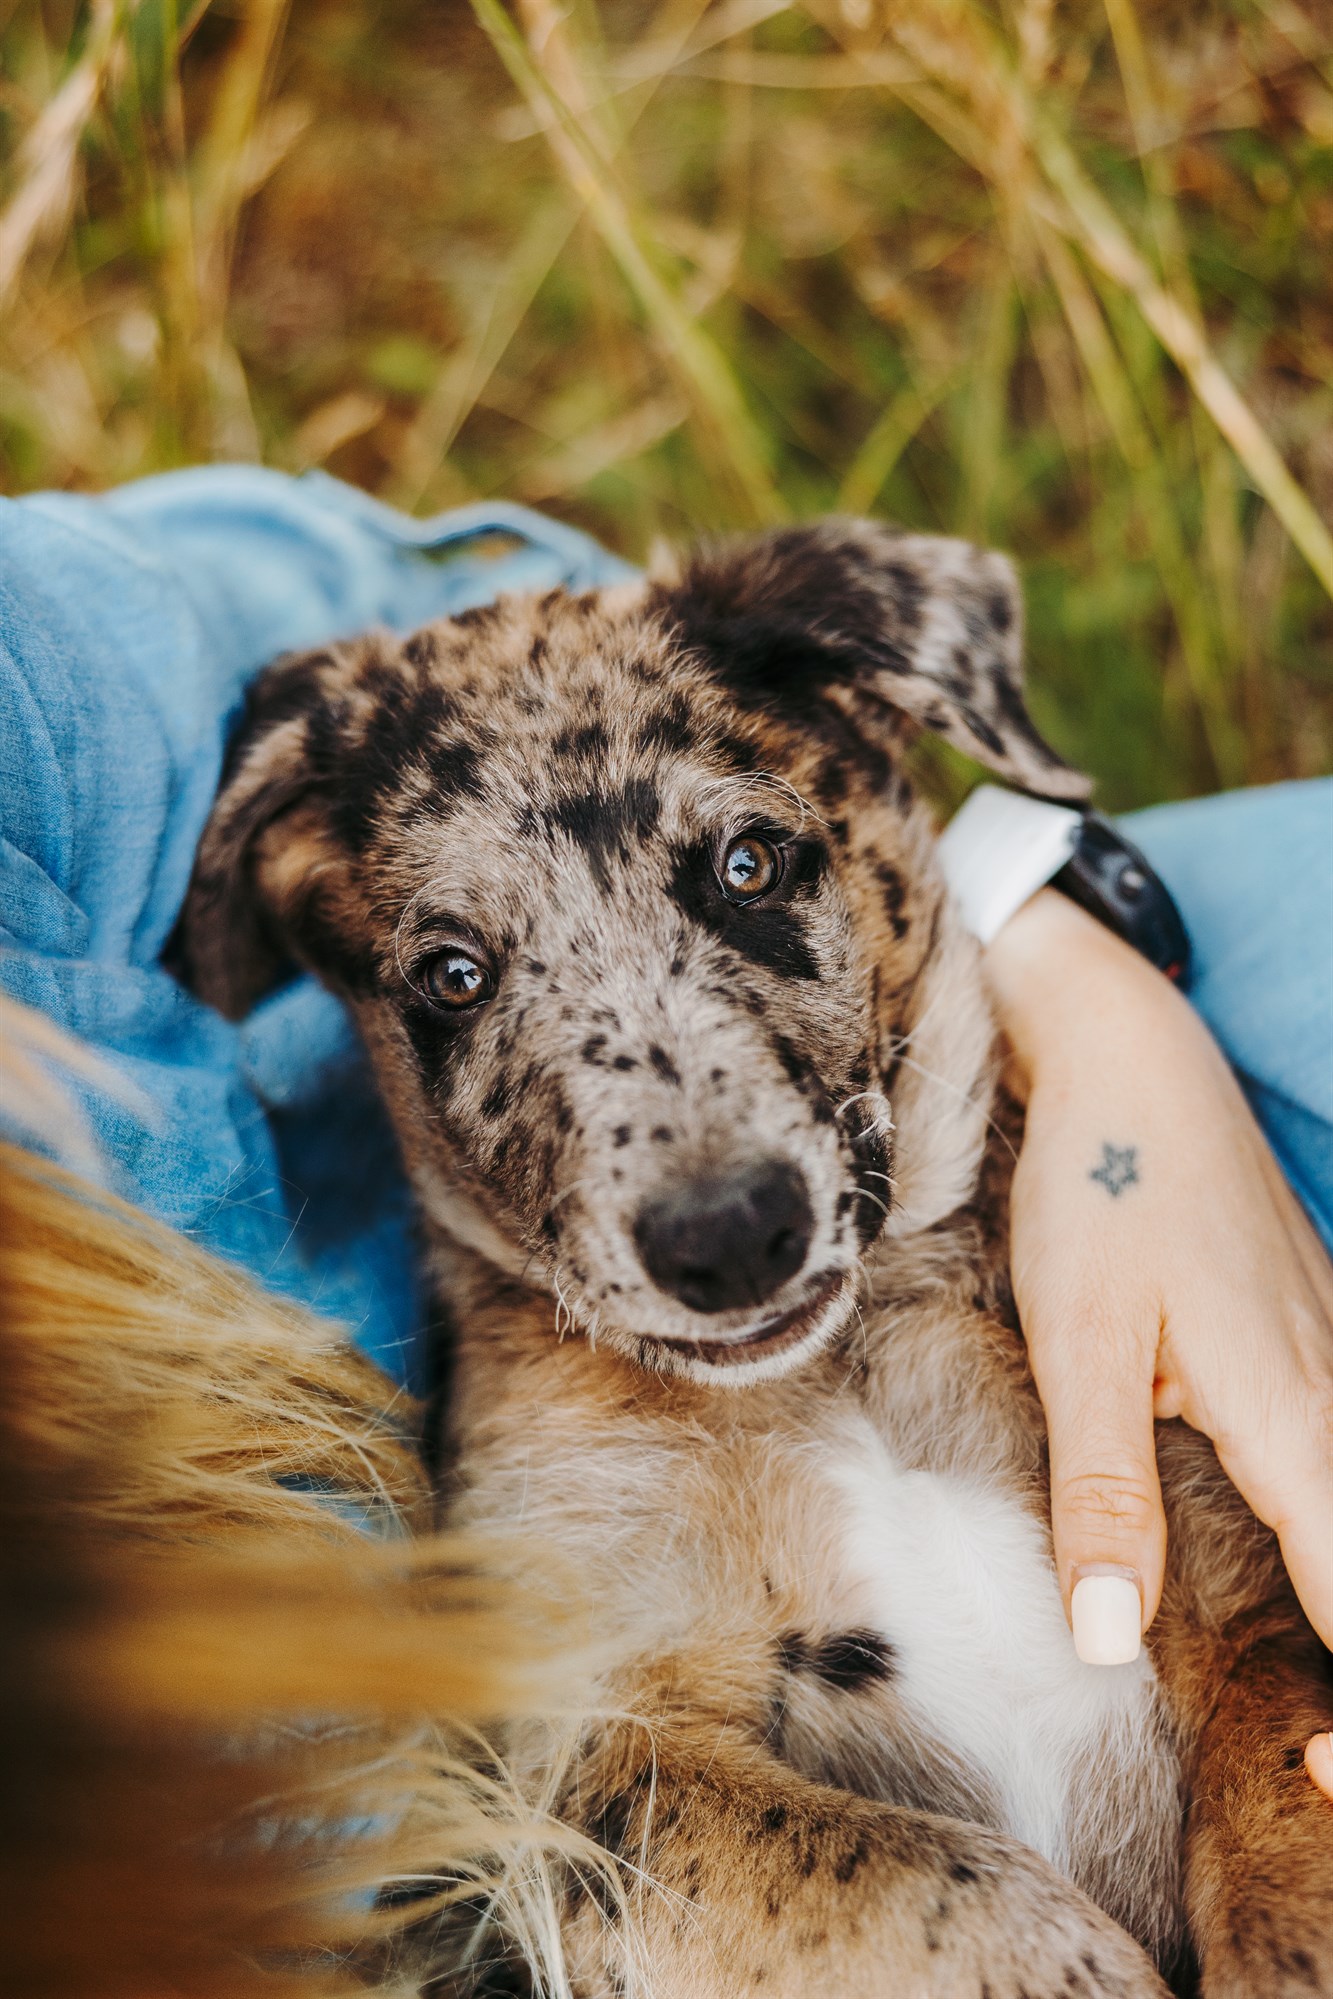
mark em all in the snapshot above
pixel 663 1065
pixel 624 1062
pixel 592 1050
pixel 602 824
pixel 717 1075
pixel 663 1134
pixel 669 729
pixel 832 780
pixel 622 1135
pixel 536 967
pixel 676 967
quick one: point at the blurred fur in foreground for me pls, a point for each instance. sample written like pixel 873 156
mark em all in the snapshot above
pixel 173 1818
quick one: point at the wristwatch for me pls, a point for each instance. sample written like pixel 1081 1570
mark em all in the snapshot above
pixel 1000 847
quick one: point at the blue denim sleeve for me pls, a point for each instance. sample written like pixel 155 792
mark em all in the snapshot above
pixel 1252 872
pixel 129 626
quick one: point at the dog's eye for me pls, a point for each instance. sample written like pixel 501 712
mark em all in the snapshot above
pixel 750 867
pixel 454 978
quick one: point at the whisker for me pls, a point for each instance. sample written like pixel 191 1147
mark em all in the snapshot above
pixel 572 1188
pixel 743 781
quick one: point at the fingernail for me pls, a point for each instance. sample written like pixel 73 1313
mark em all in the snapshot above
pixel 1106 1611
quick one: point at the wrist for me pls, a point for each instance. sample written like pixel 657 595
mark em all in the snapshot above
pixel 1057 975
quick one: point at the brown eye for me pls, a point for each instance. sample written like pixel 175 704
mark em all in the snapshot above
pixel 750 867
pixel 454 978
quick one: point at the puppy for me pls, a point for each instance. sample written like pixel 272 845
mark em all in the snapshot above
pixel 694 1076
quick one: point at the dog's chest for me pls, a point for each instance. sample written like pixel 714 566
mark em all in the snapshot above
pixel 954 1575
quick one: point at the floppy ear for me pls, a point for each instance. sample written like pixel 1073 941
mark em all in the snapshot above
pixel 928 627
pixel 232 941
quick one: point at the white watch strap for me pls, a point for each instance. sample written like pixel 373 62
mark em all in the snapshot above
pixel 999 848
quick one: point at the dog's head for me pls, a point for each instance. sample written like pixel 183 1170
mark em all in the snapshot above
pixel 639 919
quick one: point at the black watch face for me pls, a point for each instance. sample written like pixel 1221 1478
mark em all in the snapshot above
pixel 1113 881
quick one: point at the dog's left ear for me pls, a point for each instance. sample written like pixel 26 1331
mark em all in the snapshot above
pixel 873 619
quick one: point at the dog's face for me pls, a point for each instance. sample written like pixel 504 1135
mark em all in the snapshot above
pixel 638 918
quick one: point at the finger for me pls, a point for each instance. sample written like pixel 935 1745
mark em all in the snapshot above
pixel 1319 1762
pixel 1281 1462
pixel 1292 1492
pixel 1106 1503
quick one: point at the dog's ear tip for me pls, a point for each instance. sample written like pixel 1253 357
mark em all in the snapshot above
pixel 1055 780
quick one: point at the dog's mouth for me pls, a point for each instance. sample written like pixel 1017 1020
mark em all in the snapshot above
pixel 771 1336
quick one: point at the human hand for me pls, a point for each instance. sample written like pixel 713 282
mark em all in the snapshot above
pixel 1162 1266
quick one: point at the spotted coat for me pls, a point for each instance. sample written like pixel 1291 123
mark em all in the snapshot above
pixel 848 1747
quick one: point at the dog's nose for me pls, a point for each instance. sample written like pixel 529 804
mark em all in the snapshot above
pixel 722 1243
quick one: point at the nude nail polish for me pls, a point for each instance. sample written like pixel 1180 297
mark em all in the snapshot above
pixel 1107 1615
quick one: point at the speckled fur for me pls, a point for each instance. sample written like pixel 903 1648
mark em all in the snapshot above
pixel 798 1809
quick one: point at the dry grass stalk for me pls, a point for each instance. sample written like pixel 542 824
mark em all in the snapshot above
pixel 687 349
pixel 47 165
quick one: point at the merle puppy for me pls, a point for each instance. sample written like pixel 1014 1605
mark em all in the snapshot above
pixel 694 1076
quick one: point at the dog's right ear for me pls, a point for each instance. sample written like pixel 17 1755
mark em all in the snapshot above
pixel 251 895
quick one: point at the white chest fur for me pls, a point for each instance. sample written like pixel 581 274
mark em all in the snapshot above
pixel 957 1575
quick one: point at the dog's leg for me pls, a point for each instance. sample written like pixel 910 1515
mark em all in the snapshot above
pixel 741 1877
pixel 1259 1848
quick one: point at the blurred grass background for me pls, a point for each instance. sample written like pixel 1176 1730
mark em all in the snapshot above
pixel 1056 276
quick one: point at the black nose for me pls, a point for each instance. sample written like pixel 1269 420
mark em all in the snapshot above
pixel 723 1243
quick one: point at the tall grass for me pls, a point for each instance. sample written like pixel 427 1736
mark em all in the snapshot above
pixel 1057 277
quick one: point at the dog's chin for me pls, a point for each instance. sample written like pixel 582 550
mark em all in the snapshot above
pixel 768 1349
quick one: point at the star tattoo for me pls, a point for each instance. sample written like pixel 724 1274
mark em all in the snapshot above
pixel 1119 1169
